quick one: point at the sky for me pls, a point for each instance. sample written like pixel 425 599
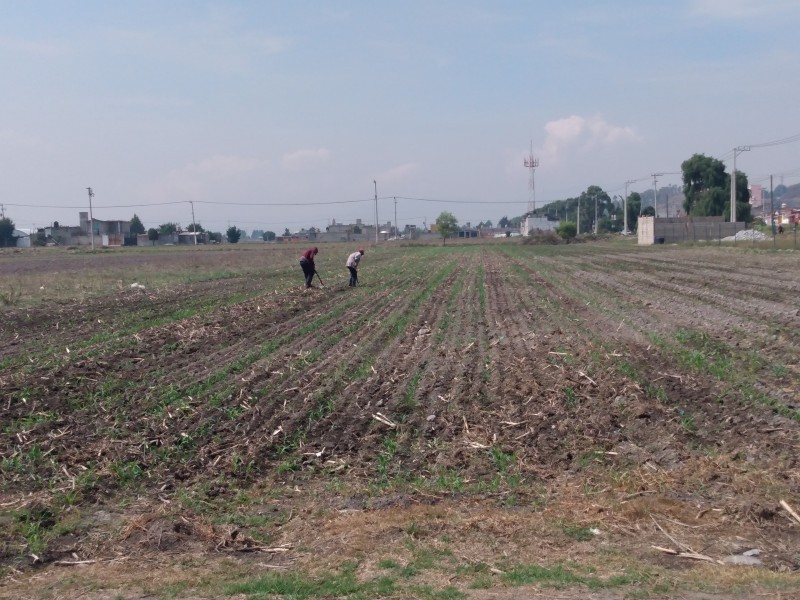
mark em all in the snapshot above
pixel 288 114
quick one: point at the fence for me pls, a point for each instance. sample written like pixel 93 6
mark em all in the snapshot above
pixel 652 230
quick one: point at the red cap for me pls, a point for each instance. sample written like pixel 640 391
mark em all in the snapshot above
pixel 361 250
pixel 316 250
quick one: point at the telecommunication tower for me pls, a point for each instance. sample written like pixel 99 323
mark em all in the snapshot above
pixel 531 163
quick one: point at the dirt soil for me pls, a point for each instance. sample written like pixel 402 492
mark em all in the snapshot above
pixel 607 410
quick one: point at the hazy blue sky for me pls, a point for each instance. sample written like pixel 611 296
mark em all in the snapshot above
pixel 236 105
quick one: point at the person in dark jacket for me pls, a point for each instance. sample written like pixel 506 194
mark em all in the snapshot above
pixel 307 264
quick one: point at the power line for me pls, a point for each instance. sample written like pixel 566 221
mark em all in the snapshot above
pixel 461 201
pixel 221 203
pixel 787 140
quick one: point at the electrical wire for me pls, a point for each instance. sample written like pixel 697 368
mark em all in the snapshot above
pixel 787 140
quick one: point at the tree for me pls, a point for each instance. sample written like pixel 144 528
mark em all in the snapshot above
pixel 594 195
pixel 447 225
pixel 7 232
pixel 152 235
pixel 503 223
pixel 136 225
pixel 567 230
pixel 216 237
pixel 195 227
pixel 286 232
pixel 233 234
pixel 704 185
pixel 634 208
pixel 743 212
pixel 167 228
pixel 258 234
pixel 268 236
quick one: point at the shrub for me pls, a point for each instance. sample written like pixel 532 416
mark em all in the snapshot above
pixel 567 230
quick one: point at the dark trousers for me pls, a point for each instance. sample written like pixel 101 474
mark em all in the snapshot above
pixel 353 276
pixel 308 271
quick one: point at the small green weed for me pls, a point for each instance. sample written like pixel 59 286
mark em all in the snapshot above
pixel 581 533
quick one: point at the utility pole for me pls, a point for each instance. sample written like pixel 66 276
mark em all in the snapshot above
pixel 625 205
pixel 395 218
pixel 2 211
pixel 655 192
pixel 736 151
pixel 772 211
pixel 376 211
pixel 91 218
pixel 194 225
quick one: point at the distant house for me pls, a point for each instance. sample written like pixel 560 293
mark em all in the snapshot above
pixel 103 233
pixel 468 231
pixel 531 224
pixel 24 237
pixel 189 237
pixel 353 232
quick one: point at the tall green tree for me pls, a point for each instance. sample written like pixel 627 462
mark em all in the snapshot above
pixel 634 208
pixel 7 232
pixel 167 228
pixel 136 225
pixel 195 227
pixel 704 185
pixel 152 235
pixel 447 225
pixel 594 195
pixel 268 236
pixel 233 234
pixel 743 209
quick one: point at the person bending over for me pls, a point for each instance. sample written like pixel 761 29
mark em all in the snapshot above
pixel 352 266
pixel 307 264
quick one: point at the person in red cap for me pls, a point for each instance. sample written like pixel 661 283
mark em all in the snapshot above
pixel 352 265
pixel 307 264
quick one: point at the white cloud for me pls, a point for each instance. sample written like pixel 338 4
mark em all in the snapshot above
pixel 150 101
pixel 579 134
pixel 220 167
pixel 303 158
pixel 211 45
pixel 193 180
pixel 742 9
pixel 398 173
pixel 17 141
pixel 47 49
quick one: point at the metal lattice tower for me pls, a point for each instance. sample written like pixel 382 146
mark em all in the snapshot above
pixel 531 163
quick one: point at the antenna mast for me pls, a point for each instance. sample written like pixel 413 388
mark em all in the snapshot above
pixel 531 163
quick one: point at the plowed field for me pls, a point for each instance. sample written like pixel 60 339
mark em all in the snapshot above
pixel 603 418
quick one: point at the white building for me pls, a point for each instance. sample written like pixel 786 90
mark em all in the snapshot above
pixel 533 224
pixel 24 237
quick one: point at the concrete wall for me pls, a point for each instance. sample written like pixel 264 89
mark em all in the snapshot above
pixel 532 224
pixel 652 230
